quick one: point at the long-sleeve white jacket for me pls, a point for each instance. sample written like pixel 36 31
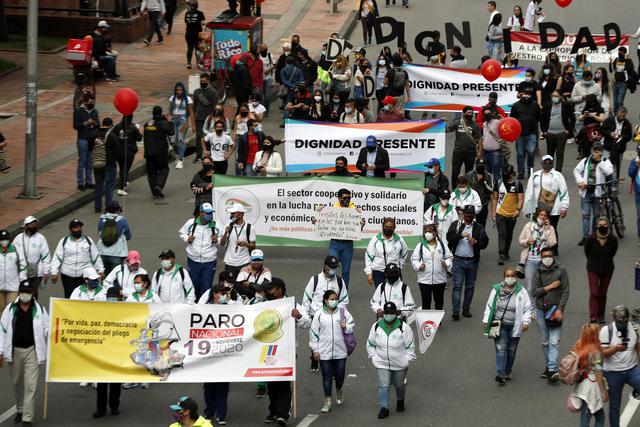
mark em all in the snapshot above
pixel 202 249
pixel 12 270
pixel 470 197
pixel 558 185
pixel 123 277
pixel 326 335
pixel 317 286
pixel 40 331
pixel 73 255
pixel 180 286
pixel 398 293
pixel 382 251
pixel 437 261
pixel 581 174
pixel 34 249
pixel 391 347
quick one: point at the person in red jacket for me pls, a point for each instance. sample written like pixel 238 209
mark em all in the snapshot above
pixel 493 104
pixel 388 112
pixel 256 70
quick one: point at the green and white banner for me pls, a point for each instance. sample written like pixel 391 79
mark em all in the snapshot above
pixel 282 209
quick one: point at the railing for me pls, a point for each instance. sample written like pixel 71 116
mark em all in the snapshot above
pixel 124 11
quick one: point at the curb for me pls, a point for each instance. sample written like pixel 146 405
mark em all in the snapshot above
pixel 44 52
pixel 11 70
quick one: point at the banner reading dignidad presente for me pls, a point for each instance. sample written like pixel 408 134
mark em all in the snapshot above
pixel 281 209
pixel 175 343
pixel 451 89
pixel 314 146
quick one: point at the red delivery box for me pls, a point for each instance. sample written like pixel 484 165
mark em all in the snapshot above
pixel 79 51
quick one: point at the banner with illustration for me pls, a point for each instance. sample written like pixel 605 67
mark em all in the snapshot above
pixel 451 89
pixel 314 146
pixel 282 210
pixel 527 47
pixel 176 343
pixel 427 323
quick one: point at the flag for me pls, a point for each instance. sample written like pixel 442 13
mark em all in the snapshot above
pixel 427 323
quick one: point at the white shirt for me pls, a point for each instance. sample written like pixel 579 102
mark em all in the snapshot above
pixel 239 255
pixel 530 16
pixel 371 160
pixel 123 277
pixel 514 23
pixel 267 62
pixel 218 145
pixel 464 249
pixel 179 109
pixel 622 360
pixel 165 287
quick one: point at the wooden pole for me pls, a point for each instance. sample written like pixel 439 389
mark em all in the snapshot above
pixel 295 399
pixel 46 400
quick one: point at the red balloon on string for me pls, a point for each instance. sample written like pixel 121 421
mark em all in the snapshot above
pixel 125 101
pixel 563 3
pixel 491 69
pixel 509 129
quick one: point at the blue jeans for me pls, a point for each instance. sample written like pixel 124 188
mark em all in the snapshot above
pixel 585 416
pixel 464 272
pixel 526 145
pixel 616 382
pixel 378 277
pixel 494 163
pixel 215 399
pixel 638 212
pixel 109 64
pixel 619 92
pixel 385 379
pixel 201 274
pixel 530 269
pixel 248 170
pixel 589 203
pixel 105 180
pixel 343 250
pixel 331 369
pixel 178 137
pixel 85 169
pixel 111 262
pixel 506 347
pixel 550 341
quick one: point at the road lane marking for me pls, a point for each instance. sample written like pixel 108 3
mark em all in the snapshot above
pixel 629 410
pixel 11 411
pixel 306 421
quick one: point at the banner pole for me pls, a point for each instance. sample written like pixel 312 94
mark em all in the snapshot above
pixel 295 400
pixel 46 400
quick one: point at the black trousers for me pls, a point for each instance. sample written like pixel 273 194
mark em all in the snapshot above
pixel 154 25
pixel 481 218
pixel 436 291
pixel 70 283
pixel 505 226
pixel 220 167
pixel 114 396
pixel 170 10
pixel 157 171
pixel 279 398
pixel 459 158
pixel 199 136
pixel 192 43
pixel 35 283
pixel 554 220
pixel 123 169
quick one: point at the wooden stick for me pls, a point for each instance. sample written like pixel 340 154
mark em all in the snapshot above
pixel 295 406
pixel 46 400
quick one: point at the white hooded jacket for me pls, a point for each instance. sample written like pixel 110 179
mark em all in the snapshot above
pixel 40 330
pixel 433 258
pixel 558 185
pixel 202 249
pixel 326 336
pixel 382 251
pixel 12 270
pixel 391 347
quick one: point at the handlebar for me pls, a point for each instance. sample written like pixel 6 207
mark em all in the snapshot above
pixel 614 181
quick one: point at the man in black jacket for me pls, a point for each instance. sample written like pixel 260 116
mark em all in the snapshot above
pixel 242 83
pixel 308 66
pixel 205 99
pixel 252 136
pixel 100 47
pixel 617 132
pixel 435 182
pixel 465 238
pixel 556 125
pixel 156 151
pixel 528 113
pixel 85 122
pixel 126 136
pixel 104 174
pixel 622 69
pixel 373 160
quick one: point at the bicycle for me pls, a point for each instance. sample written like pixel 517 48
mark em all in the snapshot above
pixel 85 87
pixel 610 205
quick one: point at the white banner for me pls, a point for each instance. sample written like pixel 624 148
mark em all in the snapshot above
pixel 427 323
pixel 314 146
pixel 339 223
pixel 451 89
pixel 526 46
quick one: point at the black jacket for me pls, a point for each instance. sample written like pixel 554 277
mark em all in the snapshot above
pixel 619 145
pixel 100 45
pixel 381 163
pixel 243 146
pixel 81 115
pixel 111 146
pixel 242 82
pixel 309 71
pixel 436 186
pixel 204 102
pixel 454 235
pixel 528 114
pixel 133 136
pixel 156 137
pixel 567 114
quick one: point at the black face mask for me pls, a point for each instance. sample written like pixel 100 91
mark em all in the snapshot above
pixel 603 230
pixel 244 113
pixel 468 116
pixel 547 167
pixel 371 149
pixel 207 166
pixel 345 201
pixel 219 132
pixel 487 117
pixel 339 168
pixel 268 147
pixel 393 277
pixel 32 230
pixel 204 85
pixel 264 52
pixel 507 178
pixel 388 231
pixel 77 234
pixel 480 170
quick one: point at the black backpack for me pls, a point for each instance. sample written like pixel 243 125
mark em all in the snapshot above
pixel 315 284
pixel 399 79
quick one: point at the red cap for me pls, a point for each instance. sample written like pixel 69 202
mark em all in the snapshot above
pixel 389 100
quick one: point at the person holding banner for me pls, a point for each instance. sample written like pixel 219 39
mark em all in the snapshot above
pixel 391 349
pixel 24 330
pixel 171 283
pixel 432 261
pixel 507 315
pixel 341 168
pixel 384 248
pixel 465 146
pixel 328 345
pixel 239 237
pixel 373 160
pixel 442 214
pixel 395 290
pixel 254 273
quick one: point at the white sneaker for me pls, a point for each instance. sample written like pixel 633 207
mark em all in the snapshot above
pixel 127 386
pixel 122 192
pixel 339 397
pixel 327 405
pixel 179 164
pixel 94 385
pixel 570 141
pixel 144 385
pixel 84 384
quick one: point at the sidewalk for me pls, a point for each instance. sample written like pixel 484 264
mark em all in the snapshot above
pixel 150 71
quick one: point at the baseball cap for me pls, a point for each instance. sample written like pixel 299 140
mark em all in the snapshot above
pixel 548 157
pixel 103 24
pixel 29 220
pixel 90 273
pixel 445 194
pixel 114 206
pixel 597 146
pixel 433 162
pixel 388 100
pixel 469 209
pixel 257 255
pixel 236 207
pixel 227 276
pixel 206 207
pixel 390 308
pixel 4 235
pixel 185 403
pixel 75 223
pixel 371 141
pixel 331 262
pixel 166 254
pixel 26 286
pixel 391 268
pixel 133 257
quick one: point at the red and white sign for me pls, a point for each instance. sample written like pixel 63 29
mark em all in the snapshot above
pixel 526 46
pixel 428 323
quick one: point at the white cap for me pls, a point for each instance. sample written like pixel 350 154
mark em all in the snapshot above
pixel 257 255
pixel 547 157
pixel 236 207
pixel 90 273
pixel 29 220
pixel 103 24
pixel 206 207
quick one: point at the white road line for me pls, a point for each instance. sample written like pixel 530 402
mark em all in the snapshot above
pixel 306 421
pixel 629 410
pixel 8 414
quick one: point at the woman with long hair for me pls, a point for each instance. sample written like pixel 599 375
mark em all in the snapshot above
pixel 547 84
pixel 380 70
pixel 268 162
pixel 553 60
pixel 181 114
pixel 495 45
pixel 341 78
pixel 516 21
pixel 581 64
pixel 600 250
pixel 319 111
pixel 601 77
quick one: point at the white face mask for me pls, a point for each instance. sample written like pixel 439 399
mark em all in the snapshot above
pixel 348 110
pixel 540 221
pixel 259 298
pixel 332 272
pixel 382 62
pixel 166 264
pixel 547 261
pixel 317 98
pixel 336 100
pixel 24 297
pixel 4 243
pixel 428 236
pixel 139 287
pixel 332 303
pixel 388 107
pixel 509 281
pixel 389 318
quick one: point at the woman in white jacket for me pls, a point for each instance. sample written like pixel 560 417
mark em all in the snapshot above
pixel 431 260
pixel 326 339
pixel 506 316
pixel 268 162
pixel 391 348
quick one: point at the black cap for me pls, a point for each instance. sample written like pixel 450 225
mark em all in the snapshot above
pixel 331 262
pixel 277 282
pixel 391 268
pixel 390 307
pixel 445 194
pixel 261 287
pixel 185 403
pixel 227 276
pixel 113 292
pixel 166 254
pixel 25 286
pixel 480 161
pixel 157 110
pixel 4 235
pixel 469 209
pixel 75 222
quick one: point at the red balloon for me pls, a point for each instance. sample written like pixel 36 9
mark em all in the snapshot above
pixel 563 3
pixel 125 101
pixel 509 129
pixel 491 69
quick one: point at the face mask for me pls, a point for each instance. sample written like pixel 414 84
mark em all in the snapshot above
pixel 509 281
pixel 32 230
pixel 371 149
pixel 621 326
pixel 317 98
pixel 389 318
pixel 570 74
pixel 77 234
pixel 264 52
pixel 598 75
pixel 345 201
pixel 207 166
pixel 339 168
pixel 165 263
pixel 547 166
pixel 139 287
pixel 204 85
pixel 468 116
pixel 259 298
pixel 348 110
pixel 267 147
pixel 324 52
pixel 587 82
pixel 393 278
pixel 270 296
pixel 208 217
pixel 604 230
pixel 526 99
pixel 336 100
pixel 89 106
pixel 428 236
pixel 444 202
pixel 177 416
pixel 4 243
pixel 387 231
pixel 382 62
pixel 332 272
pixel 25 297
pixel 555 99
pixel 387 107
pixel 92 284
pixel 528 78
pixel 547 261
pixel 430 171
pixel 332 303
pixel 223 299
pixel 462 190
pixel 540 221
pixel 244 113
pixel 480 169
pixel 546 71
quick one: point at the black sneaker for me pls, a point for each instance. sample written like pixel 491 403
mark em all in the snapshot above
pixel 146 42
pixel 582 241
pixel 115 411
pixel 99 414
pixel 271 418
pixel 507 376
pixel 90 186
pixel 314 366
pixel 455 316
pixel 262 392
pixel 466 313
pixel 18 418
pixel 545 374
pixel 281 421
pixel 80 187
pixel 554 376
pixel 501 260
pixel 159 191
pixel 384 413
pixel 500 379
pixel 400 406
pixel 520 176
pixel 635 394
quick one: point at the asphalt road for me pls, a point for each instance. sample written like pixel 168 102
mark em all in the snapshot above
pixel 452 384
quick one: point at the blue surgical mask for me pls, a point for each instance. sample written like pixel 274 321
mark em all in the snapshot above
pixel 332 272
pixel 92 284
pixel 223 299
pixel 389 317
pixel 208 217
pixel 332 303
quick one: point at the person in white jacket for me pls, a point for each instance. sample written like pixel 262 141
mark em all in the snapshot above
pixel 123 276
pixel 507 315
pixel 12 270
pixel 394 290
pixel 464 195
pixel 114 232
pixel 432 260
pixel 24 328
pixel 326 339
pixel 590 173
pixel 74 253
pixel 384 248
pixel 171 282
pixel 201 236
pixel 142 290
pixel 391 348
pixel 443 214
pixel 536 235
pixel 268 161
pixel 547 189
pixel 32 247
pixel 91 289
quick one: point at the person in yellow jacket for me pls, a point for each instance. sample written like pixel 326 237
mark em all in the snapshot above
pixel 185 414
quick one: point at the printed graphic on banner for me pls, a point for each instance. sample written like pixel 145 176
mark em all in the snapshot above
pixel 339 223
pixel 203 51
pixel 526 46
pixel 337 47
pixel 227 43
pixel 281 210
pixel 428 323
pixel 314 146
pixel 170 342
pixel 451 89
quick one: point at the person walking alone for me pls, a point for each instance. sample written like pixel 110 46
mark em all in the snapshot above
pixel 155 10
pixel 156 151
pixel 600 250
